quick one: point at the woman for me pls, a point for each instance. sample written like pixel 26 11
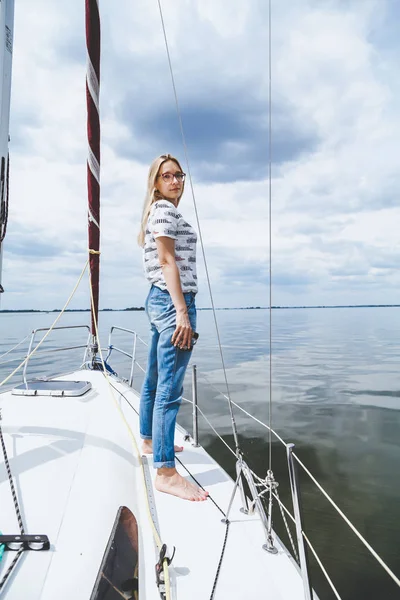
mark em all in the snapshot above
pixel 169 253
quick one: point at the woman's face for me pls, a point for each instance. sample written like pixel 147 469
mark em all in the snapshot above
pixel 169 181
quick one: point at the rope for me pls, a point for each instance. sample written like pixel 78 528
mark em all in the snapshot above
pixel 16 506
pixel 234 427
pixel 10 479
pixel 214 587
pixel 49 331
pixel 135 445
pixel 226 531
pixel 11 568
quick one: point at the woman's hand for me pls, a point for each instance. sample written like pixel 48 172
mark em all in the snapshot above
pixel 182 336
pixel 183 333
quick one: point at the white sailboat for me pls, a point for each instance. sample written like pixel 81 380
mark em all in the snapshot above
pixel 79 514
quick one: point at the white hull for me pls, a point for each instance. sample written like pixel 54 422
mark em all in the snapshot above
pixel 74 466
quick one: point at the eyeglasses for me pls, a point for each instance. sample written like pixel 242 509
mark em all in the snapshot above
pixel 169 177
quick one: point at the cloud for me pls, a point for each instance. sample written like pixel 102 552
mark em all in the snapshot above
pixel 335 143
pixel 24 243
pixel 226 138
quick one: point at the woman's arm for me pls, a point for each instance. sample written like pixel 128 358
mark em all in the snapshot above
pixel 166 254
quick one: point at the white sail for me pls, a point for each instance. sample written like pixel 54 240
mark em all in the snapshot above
pixel 6 49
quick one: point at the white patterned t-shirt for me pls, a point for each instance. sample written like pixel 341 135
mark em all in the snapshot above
pixel 165 221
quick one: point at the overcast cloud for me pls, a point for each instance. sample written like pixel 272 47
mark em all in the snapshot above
pixel 336 143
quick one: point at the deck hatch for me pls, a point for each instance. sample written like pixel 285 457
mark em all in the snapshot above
pixel 38 387
pixel 119 570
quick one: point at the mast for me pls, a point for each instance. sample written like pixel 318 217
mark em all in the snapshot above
pixel 93 163
pixel 6 48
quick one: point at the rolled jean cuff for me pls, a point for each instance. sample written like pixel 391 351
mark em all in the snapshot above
pixel 146 437
pixel 170 464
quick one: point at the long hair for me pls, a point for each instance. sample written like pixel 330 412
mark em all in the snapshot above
pixel 153 194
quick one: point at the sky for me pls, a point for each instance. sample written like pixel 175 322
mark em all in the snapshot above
pixel 335 146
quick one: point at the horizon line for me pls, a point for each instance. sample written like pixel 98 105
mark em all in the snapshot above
pixel 141 308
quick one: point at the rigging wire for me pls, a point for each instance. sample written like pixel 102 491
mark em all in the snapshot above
pixel 234 427
pixel 270 226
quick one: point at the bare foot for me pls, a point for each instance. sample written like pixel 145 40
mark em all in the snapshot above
pixel 147 447
pixel 170 482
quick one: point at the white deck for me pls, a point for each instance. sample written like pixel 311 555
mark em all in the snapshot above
pixel 74 466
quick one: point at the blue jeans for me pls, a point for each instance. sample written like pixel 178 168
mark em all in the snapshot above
pixel 162 389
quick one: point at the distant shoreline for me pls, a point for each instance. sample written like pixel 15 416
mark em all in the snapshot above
pixel 141 308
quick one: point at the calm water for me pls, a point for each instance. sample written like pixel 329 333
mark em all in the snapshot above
pixel 335 394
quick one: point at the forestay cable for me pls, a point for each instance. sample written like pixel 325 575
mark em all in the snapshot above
pixel 234 427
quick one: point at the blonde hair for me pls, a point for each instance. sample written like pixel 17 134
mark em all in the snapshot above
pixel 153 194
